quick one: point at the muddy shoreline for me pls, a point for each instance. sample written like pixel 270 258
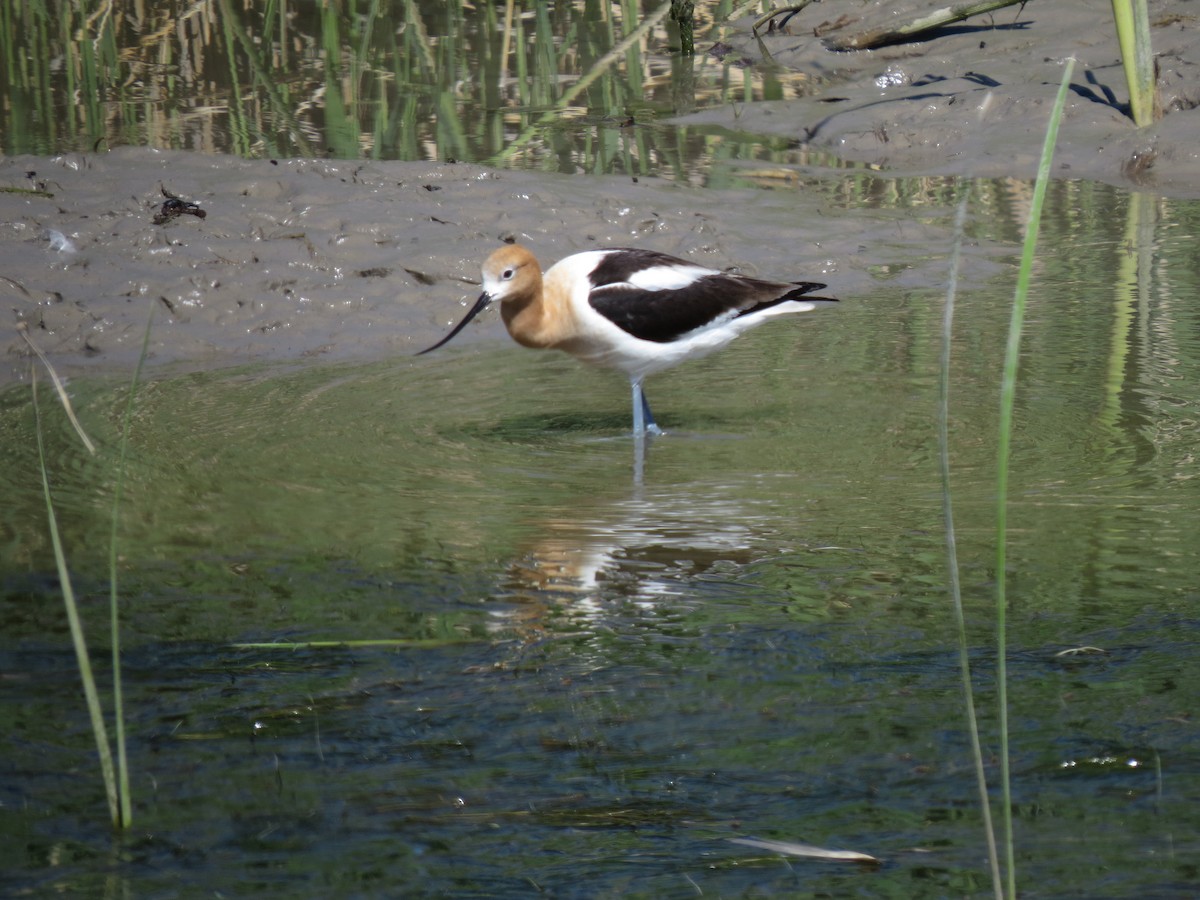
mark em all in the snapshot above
pixel 298 260
pixel 973 99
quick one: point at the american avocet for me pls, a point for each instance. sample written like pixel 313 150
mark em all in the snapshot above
pixel 639 311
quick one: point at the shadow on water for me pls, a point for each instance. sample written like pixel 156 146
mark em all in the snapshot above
pixel 595 682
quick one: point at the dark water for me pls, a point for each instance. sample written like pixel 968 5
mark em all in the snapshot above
pixel 592 685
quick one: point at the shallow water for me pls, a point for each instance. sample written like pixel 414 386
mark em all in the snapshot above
pixel 594 683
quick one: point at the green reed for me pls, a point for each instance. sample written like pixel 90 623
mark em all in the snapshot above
pixel 359 78
pixel 620 98
pixel 1008 391
pixel 1003 884
pixel 82 658
pixel 964 658
pixel 113 603
pixel 1132 20
pixel 116 778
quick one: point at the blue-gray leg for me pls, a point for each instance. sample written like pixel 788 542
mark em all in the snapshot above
pixel 643 419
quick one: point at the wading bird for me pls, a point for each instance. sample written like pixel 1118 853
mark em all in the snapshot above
pixel 638 311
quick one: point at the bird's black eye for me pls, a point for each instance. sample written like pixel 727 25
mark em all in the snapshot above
pixel 508 273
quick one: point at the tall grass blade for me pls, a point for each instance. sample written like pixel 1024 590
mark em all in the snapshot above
pixel 1008 390
pixel 964 659
pixel 601 65
pixel 81 652
pixel 126 798
pixel 60 389
pixel 281 106
pixel 1132 20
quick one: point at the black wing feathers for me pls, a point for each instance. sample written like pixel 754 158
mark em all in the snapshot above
pixel 664 315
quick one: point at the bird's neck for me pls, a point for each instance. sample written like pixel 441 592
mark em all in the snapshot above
pixel 531 319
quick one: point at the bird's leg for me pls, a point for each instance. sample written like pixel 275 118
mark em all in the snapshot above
pixel 643 419
pixel 651 425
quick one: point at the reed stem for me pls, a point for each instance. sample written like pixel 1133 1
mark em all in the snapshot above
pixel 1008 391
pixel 1132 19
pixel 123 791
pixel 91 696
pixel 964 659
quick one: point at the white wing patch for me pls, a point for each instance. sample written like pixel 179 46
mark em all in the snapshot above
pixel 668 278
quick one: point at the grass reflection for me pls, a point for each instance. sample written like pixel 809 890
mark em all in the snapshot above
pixel 530 85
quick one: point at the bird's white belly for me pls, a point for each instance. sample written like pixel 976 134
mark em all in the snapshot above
pixel 638 358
